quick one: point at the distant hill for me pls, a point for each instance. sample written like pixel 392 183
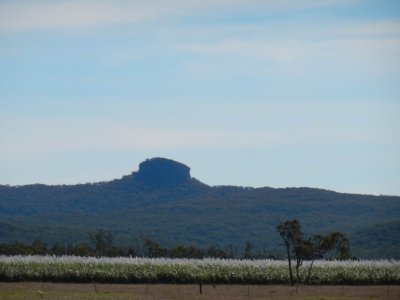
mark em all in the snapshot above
pixel 162 201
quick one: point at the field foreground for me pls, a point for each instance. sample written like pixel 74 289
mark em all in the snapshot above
pixel 192 271
pixel 39 290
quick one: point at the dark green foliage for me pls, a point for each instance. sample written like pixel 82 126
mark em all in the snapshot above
pixel 188 212
pixel 104 248
pixel 247 250
pixel 154 249
pixel 378 240
pixel 103 243
pixel 183 251
pixel 216 252
pixel 39 247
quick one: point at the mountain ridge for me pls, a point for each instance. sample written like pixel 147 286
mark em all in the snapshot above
pixel 146 171
pixel 184 210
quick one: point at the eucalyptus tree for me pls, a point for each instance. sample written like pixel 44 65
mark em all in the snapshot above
pixel 291 233
pixel 316 247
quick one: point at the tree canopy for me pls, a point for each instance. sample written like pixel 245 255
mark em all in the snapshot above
pixel 315 247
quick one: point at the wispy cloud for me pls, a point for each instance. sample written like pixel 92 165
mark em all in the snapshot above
pixel 19 16
pixel 73 14
pixel 247 48
pixel 367 46
pixel 260 127
pixel 377 28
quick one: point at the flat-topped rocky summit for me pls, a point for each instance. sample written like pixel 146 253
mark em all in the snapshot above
pixel 162 171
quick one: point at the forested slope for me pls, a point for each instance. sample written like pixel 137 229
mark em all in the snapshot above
pixel 161 200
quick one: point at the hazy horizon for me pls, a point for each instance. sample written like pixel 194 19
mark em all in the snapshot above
pixel 250 93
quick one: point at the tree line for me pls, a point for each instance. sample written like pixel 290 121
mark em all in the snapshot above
pixel 298 248
pixel 102 244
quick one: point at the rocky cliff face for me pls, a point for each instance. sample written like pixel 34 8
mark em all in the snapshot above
pixel 160 171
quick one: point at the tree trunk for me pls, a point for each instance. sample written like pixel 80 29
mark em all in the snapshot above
pixel 309 271
pixel 290 263
pixel 298 264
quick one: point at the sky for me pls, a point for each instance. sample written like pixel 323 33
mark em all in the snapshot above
pixel 245 92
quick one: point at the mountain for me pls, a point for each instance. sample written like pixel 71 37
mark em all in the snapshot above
pixel 162 201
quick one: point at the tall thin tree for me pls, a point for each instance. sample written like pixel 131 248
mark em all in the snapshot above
pixel 291 233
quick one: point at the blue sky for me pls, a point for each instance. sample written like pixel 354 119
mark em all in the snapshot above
pixel 250 93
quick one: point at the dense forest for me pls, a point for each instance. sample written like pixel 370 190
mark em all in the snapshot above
pixel 164 203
